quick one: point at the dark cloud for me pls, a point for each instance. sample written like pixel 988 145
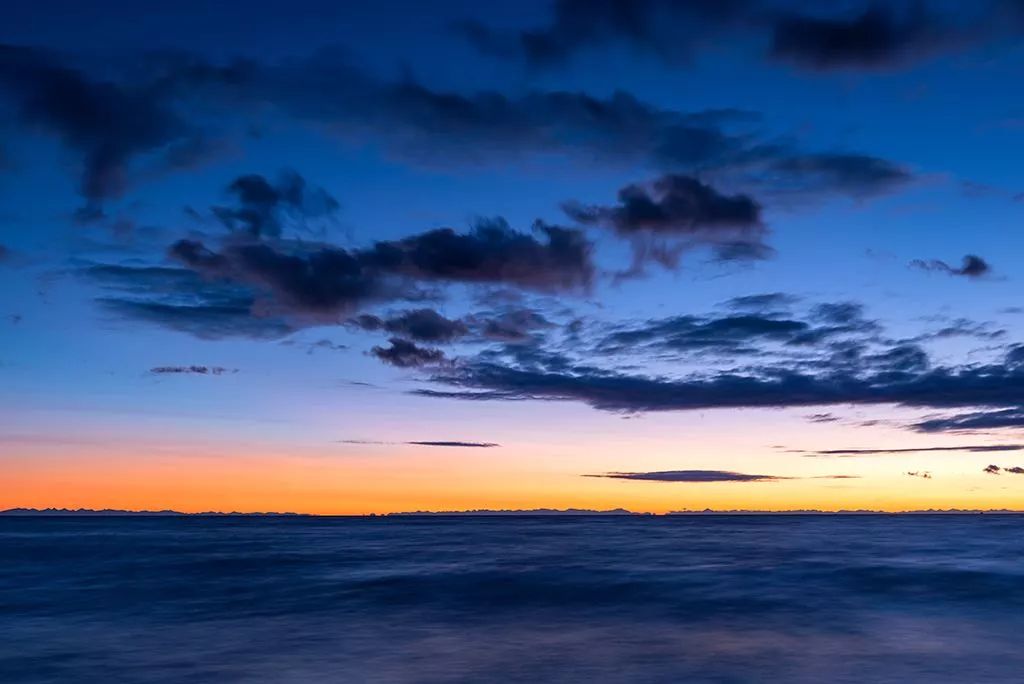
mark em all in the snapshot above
pixel 839 313
pixel 109 124
pixel 972 448
pixel 513 326
pixel 204 320
pixel 748 331
pixel 317 281
pixel 974 421
pixel 445 127
pixel 692 476
pixel 113 122
pixel 709 476
pixel 405 354
pixel 468 445
pixel 263 207
pixel 323 279
pixel 672 204
pixel 879 36
pixel 855 175
pixel 850 37
pixel 972 266
pixel 994 385
pixel 902 359
pixel 733 334
pixel 180 299
pixel 254 288
pixel 965 327
pixel 553 259
pixel 1015 470
pixel 191 370
pixel 673 213
pixel 822 418
pixel 992 469
pixel 771 301
pixel 668 29
pixel 429 443
pixel 923 474
pixel 423 325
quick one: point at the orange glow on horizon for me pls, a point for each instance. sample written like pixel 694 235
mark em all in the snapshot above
pixel 367 481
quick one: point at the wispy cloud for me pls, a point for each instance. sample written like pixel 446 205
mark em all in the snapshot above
pixel 996 470
pixel 427 443
pixel 973 448
pixel 710 476
pixel 691 476
pixel 972 266
pixel 191 370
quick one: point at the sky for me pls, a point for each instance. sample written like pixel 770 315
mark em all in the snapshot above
pixel 664 255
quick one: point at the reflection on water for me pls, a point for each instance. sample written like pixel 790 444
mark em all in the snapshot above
pixel 613 599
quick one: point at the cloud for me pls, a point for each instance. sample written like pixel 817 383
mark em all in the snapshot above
pixel 972 266
pixel 923 474
pixel 995 385
pixel 429 443
pixel 191 370
pixel 1016 470
pixel 469 445
pixel 448 127
pixel 709 476
pixel 254 288
pixel 692 476
pixel 668 29
pixel 729 334
pixel 206 320
pixel 179 299
pixel 674 31
pixel 684 211
pixel 973 421
pixel 751 331
pixel 435 127
pixel 108 124
pixel 761 303
pixel 112 123
pixel 992 469
pixel 405 354
pixel 317 280
pixel 553 259
pixel 965 327
pixel 672 204
pixel 422 325
pixel 263 207
pixel 876 37
pixel 323 280
pixel 512 326
pixel 973 448
pixel 856 175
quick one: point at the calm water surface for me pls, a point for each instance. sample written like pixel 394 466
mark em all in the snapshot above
pixel 526 599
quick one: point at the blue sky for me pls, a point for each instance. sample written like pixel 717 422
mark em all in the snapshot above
pixel 650 162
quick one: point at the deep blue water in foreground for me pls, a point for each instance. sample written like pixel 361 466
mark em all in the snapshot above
pixel 683 599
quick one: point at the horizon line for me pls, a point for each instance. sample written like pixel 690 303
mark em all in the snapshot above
pixel 488 512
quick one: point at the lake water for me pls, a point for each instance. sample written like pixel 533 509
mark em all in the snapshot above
pixel 513 599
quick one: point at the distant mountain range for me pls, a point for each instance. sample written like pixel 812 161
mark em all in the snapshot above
pixel 520 511
pixel 111 512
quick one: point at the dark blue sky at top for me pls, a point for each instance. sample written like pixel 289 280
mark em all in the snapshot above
pixel 269 188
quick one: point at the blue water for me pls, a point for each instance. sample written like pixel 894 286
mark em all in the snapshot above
pixel 683 599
